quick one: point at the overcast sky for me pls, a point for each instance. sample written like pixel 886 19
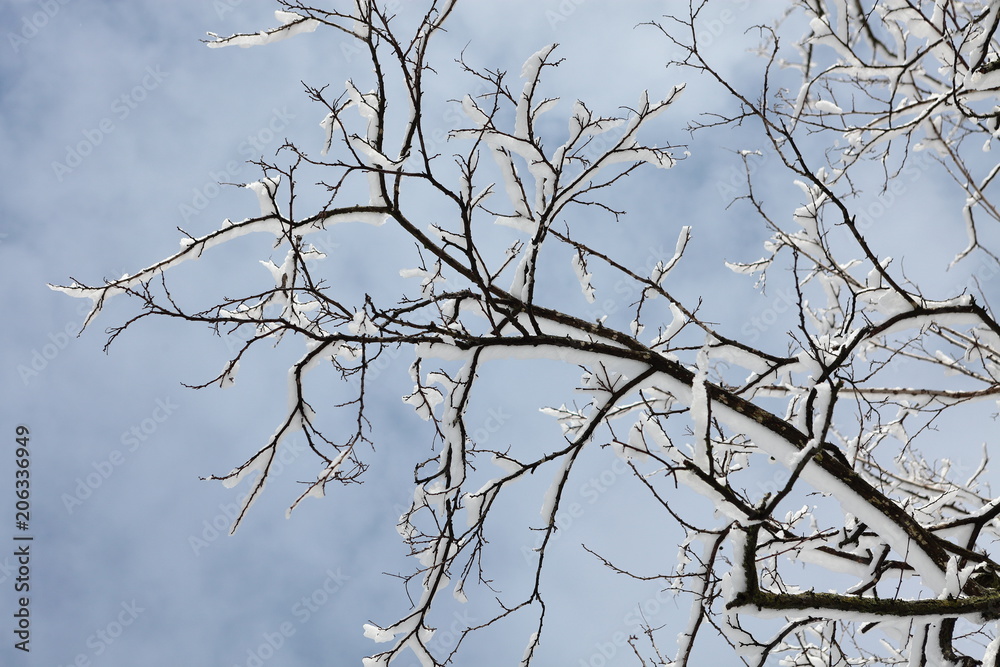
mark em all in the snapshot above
pixel 116 124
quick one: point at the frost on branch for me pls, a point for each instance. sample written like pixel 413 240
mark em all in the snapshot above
pixel 800 458
pixel 292 24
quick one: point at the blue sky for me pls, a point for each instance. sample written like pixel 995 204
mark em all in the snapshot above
pixel 124 529
pixel 116 124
